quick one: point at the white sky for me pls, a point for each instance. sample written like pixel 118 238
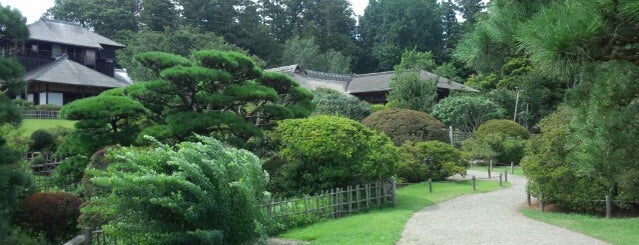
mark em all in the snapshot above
pixel 33 9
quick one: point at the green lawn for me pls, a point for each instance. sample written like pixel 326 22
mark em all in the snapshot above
pixel 616 231
pixel 30 125
pixel 500 169
pixel 384 226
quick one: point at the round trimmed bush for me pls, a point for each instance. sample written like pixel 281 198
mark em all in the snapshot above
pixel 42 140
pixel 502 126
pixel 326 152
pixel 430 159
pixel 54 214
pixel 403 125
pixel 331 102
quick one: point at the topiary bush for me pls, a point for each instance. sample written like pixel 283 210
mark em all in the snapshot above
pixel 42 140
pixel 192 193
pixel 53 214
pixel 430 159
pixel 502 126
pixel 403 125
pixel 331 102
pixel 324 152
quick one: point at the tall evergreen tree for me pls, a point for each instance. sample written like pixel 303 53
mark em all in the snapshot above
pixel 390 27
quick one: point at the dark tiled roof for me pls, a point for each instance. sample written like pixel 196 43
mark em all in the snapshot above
pixel 379 82
pixel 68 33
pixel 311 80
pixel 65 71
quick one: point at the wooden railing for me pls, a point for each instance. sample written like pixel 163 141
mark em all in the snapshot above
pixel 337 202
pixel 39 114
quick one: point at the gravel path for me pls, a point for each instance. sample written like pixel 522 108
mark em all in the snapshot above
pixel 486 218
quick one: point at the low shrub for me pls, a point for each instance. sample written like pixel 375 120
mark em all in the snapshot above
pixel 48 107
pixel 403 125
pixel 334 103
pixel 501 140
pixel 502 126
pixel 21 103
pixel 53 214
pixel 69 173
pixel 192 193
pixel 42 140
pixel 430 159
pixel 325 152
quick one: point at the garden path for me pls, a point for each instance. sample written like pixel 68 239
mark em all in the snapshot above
pixel 486 218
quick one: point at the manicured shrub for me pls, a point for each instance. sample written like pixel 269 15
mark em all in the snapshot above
pixel 21 103
pixel 500 140
pixel 403 125
pixel 48 107
pixel 506 127
pixel 42 140
pixel 331 102
pixel 192 193
pixel 54 214
pixel 326 152
pixel 467 111
pixel 430 159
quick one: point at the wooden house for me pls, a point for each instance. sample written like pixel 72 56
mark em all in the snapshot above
pixel 64 62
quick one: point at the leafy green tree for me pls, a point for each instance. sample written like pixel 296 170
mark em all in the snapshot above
pixel 12 24
pixel 403 125
pixel 467 111
pixel 156 15
pixel 14 185
pixel 306 53
pixel 331 102
pixel 501 140
pixel 107 17
pixel 430 159
pixel 195 193
pixel 390 26
pixel 408 89
pixel 342 152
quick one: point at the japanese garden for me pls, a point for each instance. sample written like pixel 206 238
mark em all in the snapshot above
pixel 304 122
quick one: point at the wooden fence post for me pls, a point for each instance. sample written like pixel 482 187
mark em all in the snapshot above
pixel 357 196
pixel 368 195
pixel 394 192
pixel 608 207
pixel 541 202
pixel 490 167
pixel 474 187
pixel 430 185
pixel 528 195
pixel 500 183
pixel 378 193
pixel 512 167
pixel 506 175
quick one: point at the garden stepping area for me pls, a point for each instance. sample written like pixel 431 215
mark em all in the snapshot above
pixel 486 218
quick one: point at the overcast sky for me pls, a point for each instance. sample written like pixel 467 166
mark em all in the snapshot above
pixel 33 9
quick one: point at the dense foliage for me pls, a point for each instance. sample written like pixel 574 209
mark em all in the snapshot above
pixel 54 214
pixel 589 49
pixel 503 126
pixel 407 125
pixel 324 152
pixel 551 174
pixel 331 102
pixel 430 159
pixel 42 140
pixel 195 193
pixel 467 111
pixel 408 89
pixel 501 140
